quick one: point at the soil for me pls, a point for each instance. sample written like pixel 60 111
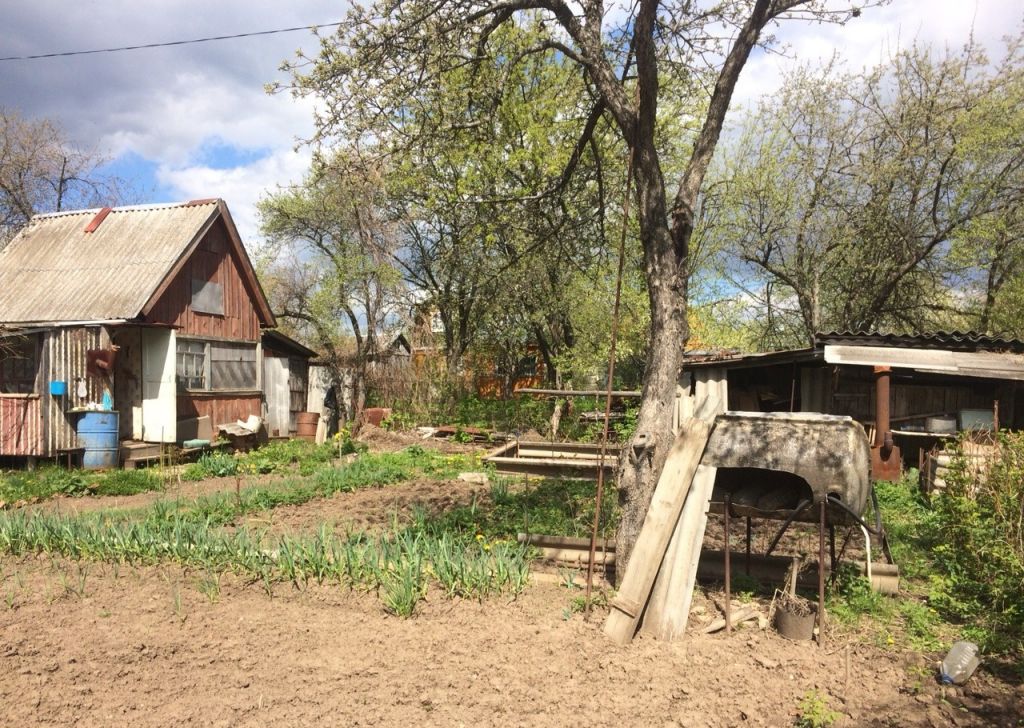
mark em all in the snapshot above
pixel 96 644
pixel 381 440
pixel 146 647
pixel 369 509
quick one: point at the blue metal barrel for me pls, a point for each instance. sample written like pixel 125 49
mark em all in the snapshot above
pixel 97 433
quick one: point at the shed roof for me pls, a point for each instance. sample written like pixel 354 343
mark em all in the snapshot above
pixel 965 354
pixel 107 264
pixel 279 341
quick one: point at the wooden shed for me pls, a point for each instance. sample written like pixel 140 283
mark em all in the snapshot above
pixel 153 311
pixel 285 382
pixel 911 392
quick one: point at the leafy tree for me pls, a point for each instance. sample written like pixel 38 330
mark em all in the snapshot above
pixel 41 170
pixel 845 194
pixel 387 57
pixel 492 253
pixel 332 270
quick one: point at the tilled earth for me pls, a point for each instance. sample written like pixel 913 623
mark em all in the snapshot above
pixel 91 645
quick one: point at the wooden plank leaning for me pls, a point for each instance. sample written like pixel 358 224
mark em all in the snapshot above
pixel 656 531
pixel 668 608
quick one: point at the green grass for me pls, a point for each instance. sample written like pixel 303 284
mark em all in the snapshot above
pixel 399 564
pixel 553 507
pixel 128 482
pixel 32 485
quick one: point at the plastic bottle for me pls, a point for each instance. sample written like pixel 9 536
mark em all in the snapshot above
pixel 959 664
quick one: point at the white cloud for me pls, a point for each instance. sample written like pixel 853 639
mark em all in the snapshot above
pixel 876 35
pixel 241 186
pixel 199 112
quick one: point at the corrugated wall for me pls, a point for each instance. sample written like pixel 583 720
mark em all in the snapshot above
pixel 212 261
pixel 21 426
pixel 64 359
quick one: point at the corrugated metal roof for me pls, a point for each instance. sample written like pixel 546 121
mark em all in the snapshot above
pixel 945 340
pixel 54 271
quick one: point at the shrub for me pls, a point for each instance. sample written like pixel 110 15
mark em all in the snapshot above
pixel 978 544
pixel 128 482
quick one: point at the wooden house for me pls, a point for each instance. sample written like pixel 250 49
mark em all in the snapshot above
pixel 912 393
pixel 154 311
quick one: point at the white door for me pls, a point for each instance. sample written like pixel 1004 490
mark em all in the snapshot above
pixel 275 389
pixel 159 391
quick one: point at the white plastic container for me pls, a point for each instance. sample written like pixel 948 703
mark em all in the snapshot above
pixel 959 664
pixel 976 419
pixel 945 425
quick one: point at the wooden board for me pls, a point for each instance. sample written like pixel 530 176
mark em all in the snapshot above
pixel 657 529
pixel 668 609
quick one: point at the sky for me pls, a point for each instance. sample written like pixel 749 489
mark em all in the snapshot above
pixel 193 121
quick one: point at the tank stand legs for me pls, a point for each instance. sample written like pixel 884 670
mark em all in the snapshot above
pixel 748 546
pixel 821 574
pixel 728 568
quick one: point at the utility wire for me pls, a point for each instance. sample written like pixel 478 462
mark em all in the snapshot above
pixel 169 43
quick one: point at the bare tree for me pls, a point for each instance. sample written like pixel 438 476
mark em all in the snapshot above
pixel 333 271
pixel 41 170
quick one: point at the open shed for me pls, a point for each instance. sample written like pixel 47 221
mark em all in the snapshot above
pixel 911 392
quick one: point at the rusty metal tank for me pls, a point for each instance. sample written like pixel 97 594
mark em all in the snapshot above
pixel 773 463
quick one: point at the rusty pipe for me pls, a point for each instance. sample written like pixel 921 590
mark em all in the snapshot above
pixel 883 433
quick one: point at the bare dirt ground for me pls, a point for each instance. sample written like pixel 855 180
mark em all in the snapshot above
pixel 368 509
pixel 93 645
pixel 145 647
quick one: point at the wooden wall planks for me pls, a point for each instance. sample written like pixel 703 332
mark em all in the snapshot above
pixel 213 260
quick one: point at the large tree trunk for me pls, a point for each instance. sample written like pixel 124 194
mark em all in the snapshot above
pixel 666 250
pixel 665 268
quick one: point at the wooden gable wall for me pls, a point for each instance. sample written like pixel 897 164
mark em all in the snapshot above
pixel 213 260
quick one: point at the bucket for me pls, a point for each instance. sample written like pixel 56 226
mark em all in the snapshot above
pixel 793 625
pixel 97 433
pixel 305 425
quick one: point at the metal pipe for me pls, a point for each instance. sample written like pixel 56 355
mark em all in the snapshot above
pixel 728 569
pixel 800 507
pixel 883 433
pixel 832 553
pixel 867 551
pixel 821 574
pixel 860 521
pixel 748 546
pixel 608 394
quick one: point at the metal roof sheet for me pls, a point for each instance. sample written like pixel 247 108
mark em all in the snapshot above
pixel 948 340
pixel 55 271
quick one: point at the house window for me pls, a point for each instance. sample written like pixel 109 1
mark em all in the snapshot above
pixel 191 364
pixel 207 297
pixel 233 366
pixel 216 365
pixel 18 365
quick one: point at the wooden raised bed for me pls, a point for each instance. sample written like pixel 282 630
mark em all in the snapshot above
pixel 553 459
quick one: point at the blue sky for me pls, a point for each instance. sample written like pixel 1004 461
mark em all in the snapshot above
pixel 194 121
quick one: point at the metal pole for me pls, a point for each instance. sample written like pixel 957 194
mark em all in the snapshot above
pixel 608 394
pixel 821 576
pixel 748 546
pixel 832 553
pixel 728 568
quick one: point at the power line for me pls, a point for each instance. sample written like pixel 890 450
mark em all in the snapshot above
pixel 169 43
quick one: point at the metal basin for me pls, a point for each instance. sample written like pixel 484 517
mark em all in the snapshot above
pixel 770 462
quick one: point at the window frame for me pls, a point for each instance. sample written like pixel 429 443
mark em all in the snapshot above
pixel 208 365
pixel 21 344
